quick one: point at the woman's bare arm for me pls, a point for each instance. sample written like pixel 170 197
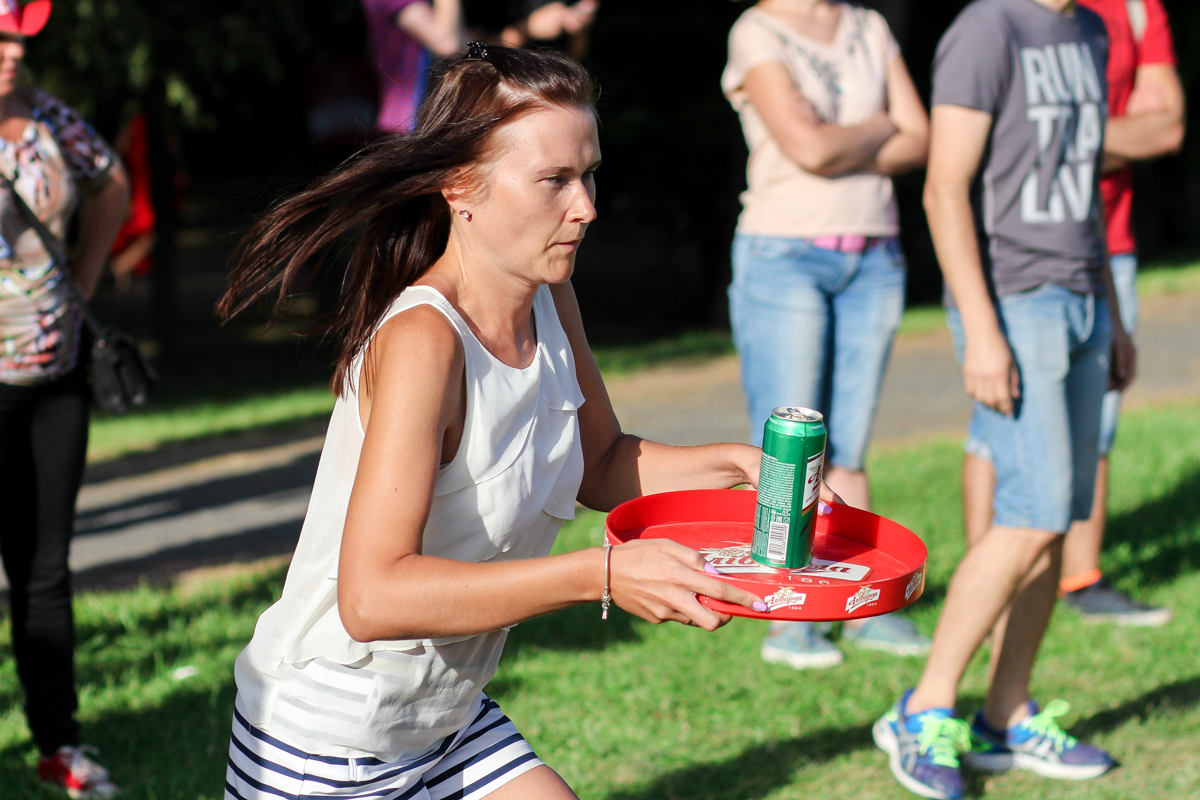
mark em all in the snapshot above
pixel 101 218
pixel 908 148
pixel 388 590
pixel 820 148
pixel 437 25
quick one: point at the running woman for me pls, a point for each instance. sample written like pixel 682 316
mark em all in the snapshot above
pixel 470 418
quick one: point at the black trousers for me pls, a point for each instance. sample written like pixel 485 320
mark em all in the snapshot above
pixel 43 443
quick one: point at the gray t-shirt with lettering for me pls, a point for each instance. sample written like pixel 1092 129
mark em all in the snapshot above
pixel 1041 75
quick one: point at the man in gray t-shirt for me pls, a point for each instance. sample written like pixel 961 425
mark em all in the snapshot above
pixel 1039 74
pixel 1011 194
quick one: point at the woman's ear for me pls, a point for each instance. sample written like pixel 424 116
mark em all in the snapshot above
pixel 454 195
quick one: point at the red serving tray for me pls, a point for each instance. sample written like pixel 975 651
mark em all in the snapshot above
pixel 874 565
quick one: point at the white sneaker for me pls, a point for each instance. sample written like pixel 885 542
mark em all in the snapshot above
pixel 73 769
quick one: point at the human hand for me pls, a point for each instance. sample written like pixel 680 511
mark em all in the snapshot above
pixel 1123 363
pixel 580 15
pixel 547 22
pixel 658 580
pixel 990 374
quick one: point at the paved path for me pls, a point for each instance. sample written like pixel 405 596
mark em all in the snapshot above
pixel 243 498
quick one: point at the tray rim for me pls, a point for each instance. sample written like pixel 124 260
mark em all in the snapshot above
pixel 824 600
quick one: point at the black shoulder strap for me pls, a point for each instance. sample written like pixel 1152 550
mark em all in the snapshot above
pixel 57 251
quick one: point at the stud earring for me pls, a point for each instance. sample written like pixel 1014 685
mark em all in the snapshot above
pixel 465 214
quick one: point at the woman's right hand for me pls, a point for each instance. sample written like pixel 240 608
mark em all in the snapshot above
pixel 658 580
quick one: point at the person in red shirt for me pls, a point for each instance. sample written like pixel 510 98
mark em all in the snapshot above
pixel 1145 121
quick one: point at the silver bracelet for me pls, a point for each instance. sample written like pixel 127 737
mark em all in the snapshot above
pixel 606 598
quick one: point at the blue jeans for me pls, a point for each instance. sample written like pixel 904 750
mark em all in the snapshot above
pixel 814 328
pixel 1045 453
pixel 1124 272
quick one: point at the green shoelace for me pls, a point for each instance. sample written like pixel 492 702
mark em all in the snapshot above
pixel 1043 723
pixel 944 738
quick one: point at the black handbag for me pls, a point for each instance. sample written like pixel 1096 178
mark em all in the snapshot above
pixel 120 375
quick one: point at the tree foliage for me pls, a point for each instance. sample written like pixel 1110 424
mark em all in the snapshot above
pixel 99 54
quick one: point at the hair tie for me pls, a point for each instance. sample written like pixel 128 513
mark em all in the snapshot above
pixel 476 51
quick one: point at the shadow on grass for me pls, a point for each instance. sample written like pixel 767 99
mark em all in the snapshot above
pixel 122 647
pixel 1163 535
pixel 174 751
pixel 756 771
pixel 1174 697
pixel 575 628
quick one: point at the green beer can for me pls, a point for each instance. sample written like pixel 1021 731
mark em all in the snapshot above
pixel 793 458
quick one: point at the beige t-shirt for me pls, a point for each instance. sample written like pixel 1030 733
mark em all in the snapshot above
pixel 846 82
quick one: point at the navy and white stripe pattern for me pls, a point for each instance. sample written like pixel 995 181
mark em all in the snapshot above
pixel 470 764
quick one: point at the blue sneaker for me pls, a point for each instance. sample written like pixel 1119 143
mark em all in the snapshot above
pixel 891 633
pixel 800 645
pixel 1037 744
pixel 923 749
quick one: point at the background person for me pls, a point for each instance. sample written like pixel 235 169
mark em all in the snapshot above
pixel 540 23
pixel 568 23
pixel 403 34
pixel 829 113
pixel 57 162
pixel 1012 196
pixel 1146 103
pixel 471 416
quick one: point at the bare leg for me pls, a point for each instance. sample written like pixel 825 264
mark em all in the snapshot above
pixel 1081 550
pixel 852 487
pixel 983 585
pixel 540 783
pixel 979 484
pixel 1019 633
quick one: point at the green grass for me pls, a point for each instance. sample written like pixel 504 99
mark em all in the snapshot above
pixel 630 711
pixel 145 430
pixel 150 428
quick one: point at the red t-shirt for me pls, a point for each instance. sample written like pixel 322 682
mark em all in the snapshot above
pixel 1125 55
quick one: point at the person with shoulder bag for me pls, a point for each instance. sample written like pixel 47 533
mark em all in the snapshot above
pixel 53 162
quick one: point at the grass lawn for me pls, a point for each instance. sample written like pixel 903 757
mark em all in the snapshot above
pixel 195 418
pixel 629 711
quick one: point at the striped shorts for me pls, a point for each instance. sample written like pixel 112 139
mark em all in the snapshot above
pixel 470 764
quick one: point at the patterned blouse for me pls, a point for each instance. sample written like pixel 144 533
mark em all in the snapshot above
pixel 58 157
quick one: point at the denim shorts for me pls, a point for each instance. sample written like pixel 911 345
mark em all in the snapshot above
pixel 814 328
pixel 1045 453
pixel 1124 272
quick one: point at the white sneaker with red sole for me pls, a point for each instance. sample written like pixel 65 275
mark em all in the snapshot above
pixel 73 769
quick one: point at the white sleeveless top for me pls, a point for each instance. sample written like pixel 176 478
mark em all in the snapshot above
pixel 504 496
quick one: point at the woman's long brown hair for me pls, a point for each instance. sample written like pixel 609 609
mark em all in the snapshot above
pixel 380 217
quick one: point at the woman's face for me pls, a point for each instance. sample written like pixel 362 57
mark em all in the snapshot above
pixel 537 198
pixel 12 50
